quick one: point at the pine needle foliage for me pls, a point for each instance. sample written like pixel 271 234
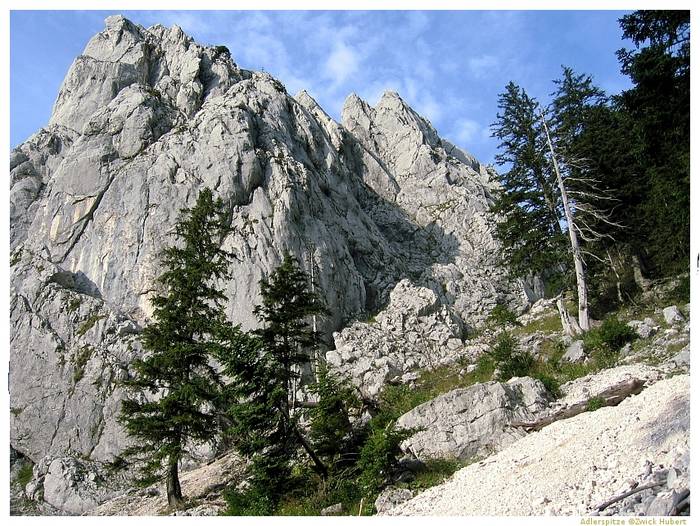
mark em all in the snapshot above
pixel 264 367
pixel 174 385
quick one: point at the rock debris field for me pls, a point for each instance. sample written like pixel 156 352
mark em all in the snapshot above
pixel 570 466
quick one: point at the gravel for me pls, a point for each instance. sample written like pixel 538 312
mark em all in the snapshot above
pixel 571 466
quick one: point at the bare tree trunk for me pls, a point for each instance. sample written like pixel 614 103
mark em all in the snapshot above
pixel 570 325
pixel 175 499
pixel 639 278
pixel 583 320
pixel 617 277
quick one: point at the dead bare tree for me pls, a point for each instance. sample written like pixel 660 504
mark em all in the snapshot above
pixel 583 318
pixel 580 213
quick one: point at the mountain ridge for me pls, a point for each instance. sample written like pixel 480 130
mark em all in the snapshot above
pixel 379 206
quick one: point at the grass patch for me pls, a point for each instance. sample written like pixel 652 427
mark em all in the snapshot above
pixel 434 472
pixel 89 324
pixel 73 306
pixel 548 324
pixel 81 359
pixel 395 400
pixel 595 403
pixel 24 475
pixel 15 257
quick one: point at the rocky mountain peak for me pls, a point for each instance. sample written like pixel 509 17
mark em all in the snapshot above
pixel 181 71
pixel 377 207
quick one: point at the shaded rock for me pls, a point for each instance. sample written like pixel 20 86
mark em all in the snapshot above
pixel 392 497
pixel 626 350
pixel 644 329
pixel 335 509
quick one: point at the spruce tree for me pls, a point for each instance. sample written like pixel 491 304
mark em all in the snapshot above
pixel 175 383
pixel 264 367
pixel 527 203
pixel 658 110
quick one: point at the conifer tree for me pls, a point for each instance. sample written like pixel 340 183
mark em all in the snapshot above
pixel 176 372
pixel 537 200
pixel 527 203
pixel 264 367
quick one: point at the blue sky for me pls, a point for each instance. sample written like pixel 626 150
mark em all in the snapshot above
pixel 448 65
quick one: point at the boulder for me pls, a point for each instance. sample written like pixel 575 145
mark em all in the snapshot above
pixel 474 421
pixel 574 353
pixel 673 315
pixel 644 329
pixel 335 509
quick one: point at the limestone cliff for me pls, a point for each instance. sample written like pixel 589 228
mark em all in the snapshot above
pixel 146 118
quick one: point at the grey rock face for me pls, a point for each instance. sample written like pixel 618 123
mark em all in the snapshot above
pixel 474 421
pixel 444 190
pixel 65 357
pixel 380 208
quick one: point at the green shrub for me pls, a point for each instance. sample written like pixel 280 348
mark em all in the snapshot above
pixel 550 383
pixel 681 292
pixel 330 428
pixel 501 315
pixel 252 501
pixel 509 360
pixel 610 337
pixel 595 403
pixel 395 400
pixel 24 475
pixel 377 458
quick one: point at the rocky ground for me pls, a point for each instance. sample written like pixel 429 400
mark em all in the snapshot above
pixel 203 487
pixel 618 430
pixel 574 466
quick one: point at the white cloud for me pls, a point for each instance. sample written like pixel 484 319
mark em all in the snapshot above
pixel 343 62
pixel 467 130
pixel 482 65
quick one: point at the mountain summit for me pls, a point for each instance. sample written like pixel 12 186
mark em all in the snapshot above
pixel 390 219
